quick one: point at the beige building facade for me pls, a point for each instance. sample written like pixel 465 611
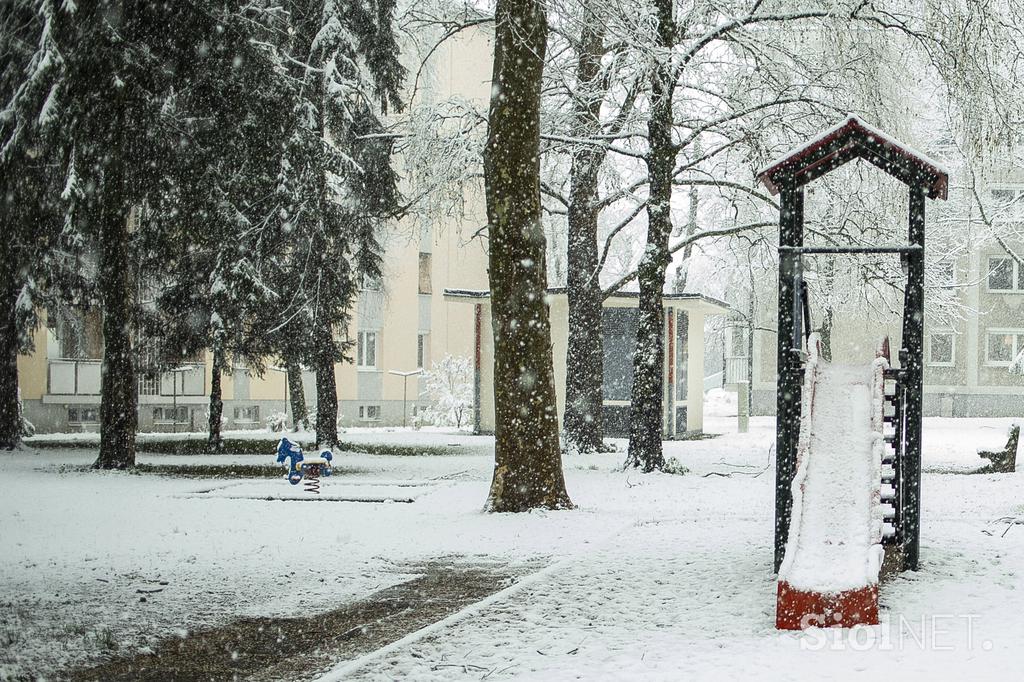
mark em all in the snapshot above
pixel 967 360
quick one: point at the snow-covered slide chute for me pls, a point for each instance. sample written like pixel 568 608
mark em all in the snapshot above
pixel 829 575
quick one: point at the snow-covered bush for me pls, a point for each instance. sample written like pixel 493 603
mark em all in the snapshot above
pixel 28 429
pixel 223 419
pixel 1017 366
pixel 675 467
pixel 277 421
pixel 449 384
pixel 310 422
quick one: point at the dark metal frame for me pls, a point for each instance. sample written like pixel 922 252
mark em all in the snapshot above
pixel 845 143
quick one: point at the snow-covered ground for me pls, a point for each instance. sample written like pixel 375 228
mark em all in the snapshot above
pixel 654 576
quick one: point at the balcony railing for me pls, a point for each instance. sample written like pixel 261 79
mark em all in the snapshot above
pixel 736 369
pixel 73 377
pixel 185 379
pixel 82 377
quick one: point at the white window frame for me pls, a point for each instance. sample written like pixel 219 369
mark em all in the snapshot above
pixel 1016 275
pixel 1018 345
pixel 1018 200
pixel 247 414
pixel 362 359
pixel 952 349
pixel 422 350
pixel 79 411
pixel 953 279
pixel 364 413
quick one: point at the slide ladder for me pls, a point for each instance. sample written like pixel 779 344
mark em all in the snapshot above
pixel 845 494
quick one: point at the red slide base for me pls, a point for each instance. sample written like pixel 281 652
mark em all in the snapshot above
pixel 797 609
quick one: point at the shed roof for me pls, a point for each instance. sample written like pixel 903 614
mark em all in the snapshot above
pixel 851 139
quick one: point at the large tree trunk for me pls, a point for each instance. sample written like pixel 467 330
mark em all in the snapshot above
pixel 118 388
pixel 326 403
pixel 683 269
pixel 297 396
pixel 326 387
pixel 10 412
pixel 584 359
pixel 528 463
pixel 215 440
pixel 645 411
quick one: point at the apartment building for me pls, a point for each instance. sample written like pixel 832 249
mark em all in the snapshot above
pixel 401 323
pixel 967 355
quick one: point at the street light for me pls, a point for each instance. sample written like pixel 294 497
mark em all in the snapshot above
pixel 287 402
pixel 175 371
pixel 405 386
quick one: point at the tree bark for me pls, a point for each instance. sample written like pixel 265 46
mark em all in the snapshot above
pixel 297 396
pixel 683 270
pixel 215 441
pixel 583 424
pixel 645 410
pixel 118 388
pixel 326 386
pixel 528 462
pixel 10 410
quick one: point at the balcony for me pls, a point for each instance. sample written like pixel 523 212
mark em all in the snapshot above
pixel 187 379
pixel 66 377
pixel 73 377
pixel 736 369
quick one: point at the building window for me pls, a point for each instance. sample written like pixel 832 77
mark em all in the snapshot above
pixel 619 328
pixel 1005 274
pixel 247 413
pixel 170 414
pixel 941 349
pixel 366 350
pixel 945 271
pixel 369 413
pixel 80 334
pixel 1007 203
pixel 422 349
pixel 83 415
pixel 1002 346
pixel 371 283
pixel 424 273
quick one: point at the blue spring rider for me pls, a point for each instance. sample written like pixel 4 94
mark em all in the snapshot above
pixel 300 467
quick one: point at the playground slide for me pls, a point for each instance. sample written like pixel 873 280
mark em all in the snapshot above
pixel 829 576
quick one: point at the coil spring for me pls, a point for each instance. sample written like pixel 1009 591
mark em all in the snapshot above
pixel 312 479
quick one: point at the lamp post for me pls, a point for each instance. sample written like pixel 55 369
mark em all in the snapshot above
pixel 284 370
pixel 174 394
pixel 405 386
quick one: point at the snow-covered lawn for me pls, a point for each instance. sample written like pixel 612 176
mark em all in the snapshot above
pixel 653 576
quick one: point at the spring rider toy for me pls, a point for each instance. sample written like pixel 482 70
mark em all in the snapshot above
pixel 301 468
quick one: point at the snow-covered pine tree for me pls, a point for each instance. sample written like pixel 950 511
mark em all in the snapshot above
pixel 215 236
pixel 336 184
pixel 30 220
pixel 102 101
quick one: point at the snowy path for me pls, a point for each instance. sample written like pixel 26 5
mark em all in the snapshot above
pixel 694 600
pixel 684 591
